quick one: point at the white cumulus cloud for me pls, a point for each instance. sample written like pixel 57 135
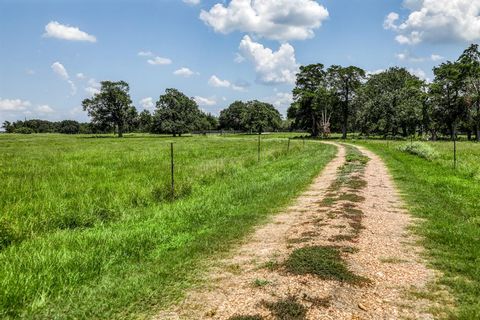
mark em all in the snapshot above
pixel 147 103
pixel 436 20
pixel 215 81
pixel 184 72
pixel 271 67
pixel 273 19
pixel 60 70
pixel 194 2
pixel 14 104
pixel 159 61
pixel 202 101
pixel 44 109
pixel 57 30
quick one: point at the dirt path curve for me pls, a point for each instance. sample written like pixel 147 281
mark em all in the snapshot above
pixel 353 214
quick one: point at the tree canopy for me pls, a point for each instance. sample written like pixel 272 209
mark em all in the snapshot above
pixel 111 106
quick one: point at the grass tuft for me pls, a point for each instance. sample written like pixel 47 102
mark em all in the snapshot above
pixel 287 309
pixel 324 262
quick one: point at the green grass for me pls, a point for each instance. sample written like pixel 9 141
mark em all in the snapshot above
pixel 449 202
pixel 324 262
pixel 88 230
pixel 287 309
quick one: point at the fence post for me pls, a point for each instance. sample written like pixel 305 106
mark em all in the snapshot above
pixel 258 147
pixel 455 151
pixel 172 170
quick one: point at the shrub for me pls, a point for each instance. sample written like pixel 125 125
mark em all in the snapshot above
pixel 24 130
pixel 422 150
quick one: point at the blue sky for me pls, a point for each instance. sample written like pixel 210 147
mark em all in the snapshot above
pixel 54 53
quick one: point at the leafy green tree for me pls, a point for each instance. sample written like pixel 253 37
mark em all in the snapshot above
pixel 345 81
pixel 232 118
pixel 176 113
pixel 449 105
pixel 261 116
pixel 145 121
pixel 69 127
pixel 391 102
pixel 470 67
pixel 305 110
pixel 111 106
pixel 7 125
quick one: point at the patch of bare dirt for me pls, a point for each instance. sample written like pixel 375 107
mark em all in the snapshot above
pixel 364 221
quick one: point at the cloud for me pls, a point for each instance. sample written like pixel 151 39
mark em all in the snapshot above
pixel 93 87
pixel 184 72
pixel 436 57
pixel 147 103
pixel 60 31
pixel 409 57
pixel 419 73
pixel 60 70
pixel 436 21
pixel 44 109
pixel 271 67
pixel 30 72
pixel 281 100
pixel 14 104
pixel 159 61
pixel 194 2
pixel 80 76
pixel 214 81
pixel 145 54
pixel 273 19
pixel 201 101
pixel 374 72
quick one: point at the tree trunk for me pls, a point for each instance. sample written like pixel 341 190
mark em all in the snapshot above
pixel 120 131
pixel 314 127
pixel 174 134
pixel 469 135
pixel 477 133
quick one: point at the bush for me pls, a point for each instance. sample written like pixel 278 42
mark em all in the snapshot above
pixel 422 150
pixel 24 130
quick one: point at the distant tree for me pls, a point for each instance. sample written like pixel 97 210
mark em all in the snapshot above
pixel 24 130
pixel 207 122
pixel 391 102
pixel 232 118
pixel 111 106
pixel 175 113
pixel 345 81
pixel 68 127
pixel 145 121
pixel 261 116
pixel 469 63
pixel 446 93
pixel 304 110
pixel 7 125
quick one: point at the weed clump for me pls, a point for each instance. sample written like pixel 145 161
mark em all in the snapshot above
pixel 419 149
pixel 324 262
pixel 287 309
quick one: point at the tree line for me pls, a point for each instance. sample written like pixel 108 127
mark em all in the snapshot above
pixel 112 110
pixel 390 103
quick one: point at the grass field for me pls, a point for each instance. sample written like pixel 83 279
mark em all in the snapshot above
pixel 448 200
pixel 88 228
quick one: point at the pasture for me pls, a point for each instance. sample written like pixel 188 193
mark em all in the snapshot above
pixel 89 228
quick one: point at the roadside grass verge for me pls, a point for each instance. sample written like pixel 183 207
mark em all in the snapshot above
pixel 448 201
pixel 144 258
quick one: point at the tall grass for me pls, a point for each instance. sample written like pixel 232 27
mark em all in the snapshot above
pixel 93 234
pixel 448 200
